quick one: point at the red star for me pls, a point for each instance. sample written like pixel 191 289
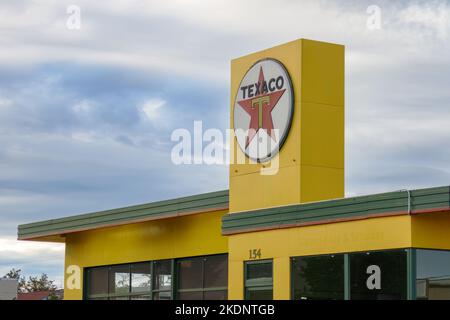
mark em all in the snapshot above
pixel 264 102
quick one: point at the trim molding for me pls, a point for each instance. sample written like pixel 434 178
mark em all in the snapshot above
pixel 198 204
pixel 421 201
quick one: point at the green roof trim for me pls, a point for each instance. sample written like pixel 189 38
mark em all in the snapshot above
pixel 384 204
pixel 212 201
pixel 345 209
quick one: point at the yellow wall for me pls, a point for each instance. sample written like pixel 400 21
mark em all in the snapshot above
pixel 312 157
pixel 311 167
pixel 431 230
pixel 281 244
pixel 154 240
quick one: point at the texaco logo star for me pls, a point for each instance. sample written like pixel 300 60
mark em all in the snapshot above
pixel 260 108
pixel 263 109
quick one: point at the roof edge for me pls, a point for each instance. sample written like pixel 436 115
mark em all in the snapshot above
pixel 201 203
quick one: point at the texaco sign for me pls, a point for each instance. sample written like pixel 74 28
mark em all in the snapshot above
pixel 263 110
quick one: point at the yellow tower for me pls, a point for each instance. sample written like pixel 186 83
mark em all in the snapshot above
pixel 309 162
pixel 287 115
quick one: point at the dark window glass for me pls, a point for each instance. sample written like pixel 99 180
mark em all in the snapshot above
pixel 197 295
pixel 215 295
pixel 216 271
pixel 140 277
pixel 200 273
pixel 259 271
pixel 320 277
pixel 190 273
pixel 433 275
pixel 97 281
pixel 119 279
pixel 378 275
pixel 259 294
pixel 259 280
pixel 162 275
pixel 163 295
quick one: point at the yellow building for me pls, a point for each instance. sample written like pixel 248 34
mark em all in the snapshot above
pixel 283 230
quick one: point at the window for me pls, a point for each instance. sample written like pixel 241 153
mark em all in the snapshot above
pixel 378 275
pixel 259 280
pixel 203 278
pixel 162 280
pixel 432 275
pixel 119 282
pixel 141 277
pixel 375 275
pixel 97 280
pixel 319 277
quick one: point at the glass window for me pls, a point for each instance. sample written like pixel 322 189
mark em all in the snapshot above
pixel 191 295
pixel 319 277
pixel 433 274
pixel 119 298
pixel 140 277
pixel 203 278
pixel 190 273
pixel 162 295
pixel 198 278
pixel 140 297
pixel 119 279
pixel 259 294
pixel 97 281
pixel 162 281
pixel 216 271
pixel 215 295
pixel 259 280
pixel 378 275
pixel 163 275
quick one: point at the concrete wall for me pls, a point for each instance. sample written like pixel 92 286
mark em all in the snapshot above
pixel 8 289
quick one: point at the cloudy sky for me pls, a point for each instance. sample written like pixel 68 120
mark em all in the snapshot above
pixel 86 114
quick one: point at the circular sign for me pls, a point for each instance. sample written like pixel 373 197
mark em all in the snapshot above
pixel 263 110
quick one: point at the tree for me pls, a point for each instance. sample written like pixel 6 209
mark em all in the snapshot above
pixel 41 283
pixel 16 274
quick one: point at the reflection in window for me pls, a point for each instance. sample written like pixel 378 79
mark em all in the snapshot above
pixel 140 297
pixel 198 278
pixel 163 295
pixel 119 279
pixel 433 275
pixel 256 293
pixel 378 275
pixel 259 280
pixel 162 283
pixel 140 277
pixel 319 277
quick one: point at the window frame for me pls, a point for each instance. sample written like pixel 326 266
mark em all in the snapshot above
pixel 291 269
pixel 262 285
pixel 410 270
pixel 174 272
pixel 202 289
pixel 129 294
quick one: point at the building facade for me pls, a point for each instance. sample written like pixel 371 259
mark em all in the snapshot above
pixel 283 230
pixel 8 289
